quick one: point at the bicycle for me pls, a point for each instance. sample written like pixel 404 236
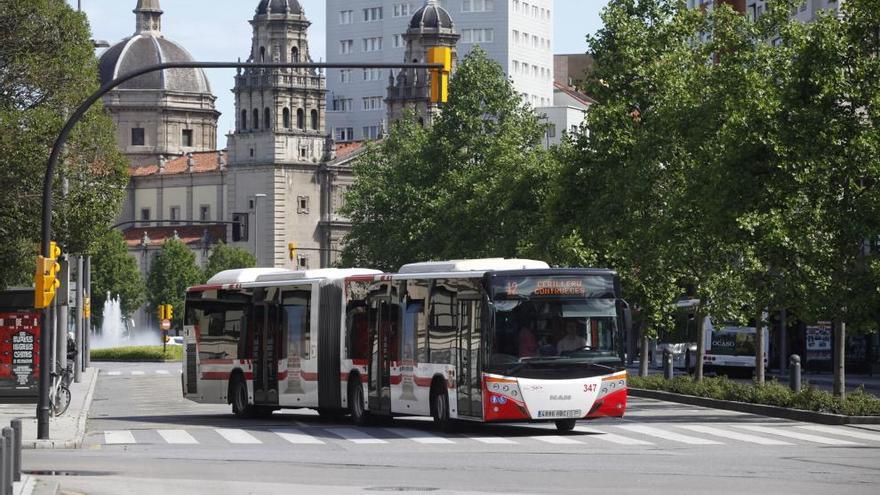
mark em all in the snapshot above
pixel 59 398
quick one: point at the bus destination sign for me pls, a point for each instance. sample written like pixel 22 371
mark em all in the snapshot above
pixel 515 287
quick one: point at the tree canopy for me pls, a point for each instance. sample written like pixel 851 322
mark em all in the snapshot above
pixel 115 272
pixel 174 270
pixel 224 257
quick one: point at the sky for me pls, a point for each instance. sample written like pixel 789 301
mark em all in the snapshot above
pixel 218 30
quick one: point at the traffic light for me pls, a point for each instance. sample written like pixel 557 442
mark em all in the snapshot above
pixel 87 307
pixel 162 312
pixel 46 281
pixel 169 312
pixel 440 77
pixel 291 250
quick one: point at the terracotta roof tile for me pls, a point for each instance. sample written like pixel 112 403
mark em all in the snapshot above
pixel 190 235
pixel 586 100
pixel 204 162
pixel 347 149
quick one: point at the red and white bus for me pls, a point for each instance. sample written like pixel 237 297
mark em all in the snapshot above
pixel 479 340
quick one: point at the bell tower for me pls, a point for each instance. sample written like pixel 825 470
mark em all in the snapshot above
pixel 280 113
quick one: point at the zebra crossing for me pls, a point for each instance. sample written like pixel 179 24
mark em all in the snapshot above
pixel 141 372
pixel 652 435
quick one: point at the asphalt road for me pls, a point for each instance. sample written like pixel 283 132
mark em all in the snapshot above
pixel 143 438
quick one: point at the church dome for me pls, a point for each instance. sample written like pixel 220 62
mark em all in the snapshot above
pixel 431 16
pixel 149 47
pixel 145 49
pixel 279 7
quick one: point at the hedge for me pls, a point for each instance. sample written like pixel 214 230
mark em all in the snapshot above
pixel 772 393
pixel 139 353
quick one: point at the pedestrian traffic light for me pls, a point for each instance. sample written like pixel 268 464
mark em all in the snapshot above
pixel 440 77
pixel 46 281
pixel 291 250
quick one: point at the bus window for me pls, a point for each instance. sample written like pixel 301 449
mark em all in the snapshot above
pixel 219 325
pixel 297 309
pixel 442 328
pixel 358 334
pixel 416 321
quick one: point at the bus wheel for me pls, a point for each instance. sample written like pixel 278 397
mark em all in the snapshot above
pixel 565 424
pixel 440 409
pixel 359 415
pixel 239 397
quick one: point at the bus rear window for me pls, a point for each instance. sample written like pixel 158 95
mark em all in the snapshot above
pixel 219 325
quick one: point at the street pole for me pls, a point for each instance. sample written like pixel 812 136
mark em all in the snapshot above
pixel 58 146
pixel 87 290
pixel 643 353
pixel 63 313
pixel 701 346
pixel 839 358
pixel 77 368
pixel 759 345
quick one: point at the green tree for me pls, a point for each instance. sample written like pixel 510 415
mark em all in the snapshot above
pixel 472 185
pixel 225 257
pixel 115 272
pixel 47 68
pixel 173 271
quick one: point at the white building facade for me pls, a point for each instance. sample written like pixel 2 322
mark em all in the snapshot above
pixel 517 34
pixel 805 12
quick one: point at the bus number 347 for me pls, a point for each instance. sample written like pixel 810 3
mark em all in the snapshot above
pixel 589 387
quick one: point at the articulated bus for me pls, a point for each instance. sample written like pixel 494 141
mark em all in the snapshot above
pixel 478 340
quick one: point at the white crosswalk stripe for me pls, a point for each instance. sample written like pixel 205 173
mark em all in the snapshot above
pixel 118 437
pixel 733 435
pixel 611 437
pixel 790 433
pixel 297 437
pixel 137 373
pixel 843 431
pixel 668 435
pixel 114 373
pixel 557 440
pixel 354 436
pixel 420 436
pixel 240 437
pixel 177 437
pixel 493 440
pixel 162 372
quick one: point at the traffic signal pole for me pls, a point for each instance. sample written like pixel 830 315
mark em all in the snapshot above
pixel 52 165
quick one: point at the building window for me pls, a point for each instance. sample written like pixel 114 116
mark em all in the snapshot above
pixel 302 204
pixel 294 55
pixel 205 213
pixel 342 104
pixel 286 117
pixel 256 119
pixel 345 76
pixel 267 118
pixel 303 262
pixel 137 136
pixel 373 14
pixel 145 214
pixel 175 215
pixel 252 152
pixel 401 9
pixel 346 47
pixel 303 152
pixel 372 103
pixel 344 134
pixel 186 138
pixel 240 227
pixel 477 5
pixel 300 119
pixel 372 74
pixel 244 120
pixel 371 132
pixel 315 120
pixel 398 41
pixel 373 44
pixel 477 35
pixel 551 131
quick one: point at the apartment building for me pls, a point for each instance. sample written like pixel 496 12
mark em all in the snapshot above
pixel 805 12
pixel 518 34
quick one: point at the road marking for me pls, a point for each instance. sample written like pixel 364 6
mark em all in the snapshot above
pixel 843 431
pixel 354 436
pixel 297 437
pixel 137 372
pixel 668 435
pixel 237 436
pixel 162 372
pixel 788 432
pixel 113 373
pixel 733 435
pixel 117 437
pixel 177 437
pixel 556 439
pixel 420 436
pixel 493 440
pixel 611 437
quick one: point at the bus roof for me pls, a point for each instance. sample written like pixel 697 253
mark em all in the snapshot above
pixel 264 275
pixel 478 265
pixel 245 275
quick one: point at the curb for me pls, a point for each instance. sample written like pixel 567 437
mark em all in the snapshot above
pixel 759 409
pixel 77 441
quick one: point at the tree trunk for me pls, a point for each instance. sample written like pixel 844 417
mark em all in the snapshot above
pixel 783 341
pixel 701 347
pixel 839 359
pixel 643 353
pixel 759 346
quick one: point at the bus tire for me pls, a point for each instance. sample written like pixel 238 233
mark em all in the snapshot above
pixel 565 424
pixel 238 396
pixel 359 415
pixel 440 407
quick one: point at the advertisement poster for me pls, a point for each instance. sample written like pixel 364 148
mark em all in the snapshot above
pixel 819 343
pixel 19 354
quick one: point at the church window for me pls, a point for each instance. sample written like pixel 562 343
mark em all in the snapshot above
pixel 302 204
pixel 256 119
pixel 267 118
pixel 244 120
pixel 262 54
pixel 205 213
pixel 315 120
pixel 186 138
pixel 300 119
pixel 286 116
pixel 294 54
pixel 137 136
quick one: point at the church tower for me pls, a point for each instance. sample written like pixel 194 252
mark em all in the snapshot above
pixel 430 26
pixel 280 113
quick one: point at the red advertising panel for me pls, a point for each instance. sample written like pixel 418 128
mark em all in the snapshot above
pixel 19 354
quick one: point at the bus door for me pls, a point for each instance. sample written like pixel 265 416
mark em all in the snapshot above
pixel 469 386
pixel 384 345
pixel 266 349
